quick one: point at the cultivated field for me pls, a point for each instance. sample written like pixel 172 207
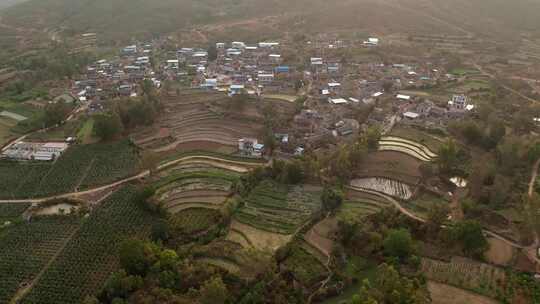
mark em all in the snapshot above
pixel 91 255
pixel 279 208
pixel 383 185
pixel 25 248
pixel 304 266
pixel 409 147
pixel 79 168
pixel 200 117
pixel 392 165
pixel 360 204
pixel 467 274
pixel 10 212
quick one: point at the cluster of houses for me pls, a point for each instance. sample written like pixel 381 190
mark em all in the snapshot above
pixel 238 68
pixel 117 77
pixel 35 151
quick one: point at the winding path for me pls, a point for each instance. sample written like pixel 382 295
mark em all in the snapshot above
pixel 141 175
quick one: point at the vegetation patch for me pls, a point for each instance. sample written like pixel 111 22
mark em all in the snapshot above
pixel 193 220
pixel 25 248
pixel 91 255
pixel 80 167
pixel 279 208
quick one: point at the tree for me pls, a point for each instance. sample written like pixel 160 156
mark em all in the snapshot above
pixel 107 127
pixel 160 231
pixel 214 291
pixel 398 243
pixel 120 285
pixel 212 52
pixel 150 161
pixel 55 113
pixel 437 215
pixel 448 157
pixel 469 235
pixel 133 258
pixel 331 199
pixel 373 136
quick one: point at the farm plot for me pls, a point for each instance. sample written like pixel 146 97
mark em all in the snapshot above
pixel 257 238
pixel 467 274
pixel 392 165
pixel 196 121
pixel 321 236
pixel 25 248
pixel 80 167
pixel 423 203
pixel 10 212
pixel 383 185
pixel 91 255
pixel 409 147
pixel 305 267
pixel 193 220
pixel 361 204
pixel 232 257
pixel 433 142
pixel 277 208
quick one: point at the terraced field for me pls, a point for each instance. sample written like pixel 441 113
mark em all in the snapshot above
pixel 279 208
pixel 360 204
pixel 409 147
pixel 249 236
pixel 383 185
pixel 190 118
pixel 321 237
pixel 467 274
pixel 232 257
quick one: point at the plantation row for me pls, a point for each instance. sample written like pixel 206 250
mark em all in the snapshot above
pixel 92 255
pixel 10 212
pixel 387 186
pixel 408 147
pixel 25 248
pixel 467 274
pixel 276 208
pixel 79 168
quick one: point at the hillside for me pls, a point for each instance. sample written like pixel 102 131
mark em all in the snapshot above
pixel 127 18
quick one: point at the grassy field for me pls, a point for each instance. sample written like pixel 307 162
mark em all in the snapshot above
pixel 279 208
pixel 91 255
pixel 80 167
pixel 422 204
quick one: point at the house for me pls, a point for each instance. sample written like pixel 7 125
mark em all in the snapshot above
pixel 268 44
pixel 337 100
pixel 282 69
pixel 250 147
pixel 238 45
pixel 129 50
pixel 210 83
pixel 236 89
pixel 275 58
pixel 220 45
pixel 403 97
pixel 411 115
pixel 372 42
pixel 173 64
pixel 458 102
pixel 265 77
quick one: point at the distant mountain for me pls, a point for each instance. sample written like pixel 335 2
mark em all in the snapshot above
pixel 123 19
pixel 8 3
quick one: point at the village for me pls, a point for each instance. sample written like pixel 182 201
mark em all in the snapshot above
pixel 338 96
